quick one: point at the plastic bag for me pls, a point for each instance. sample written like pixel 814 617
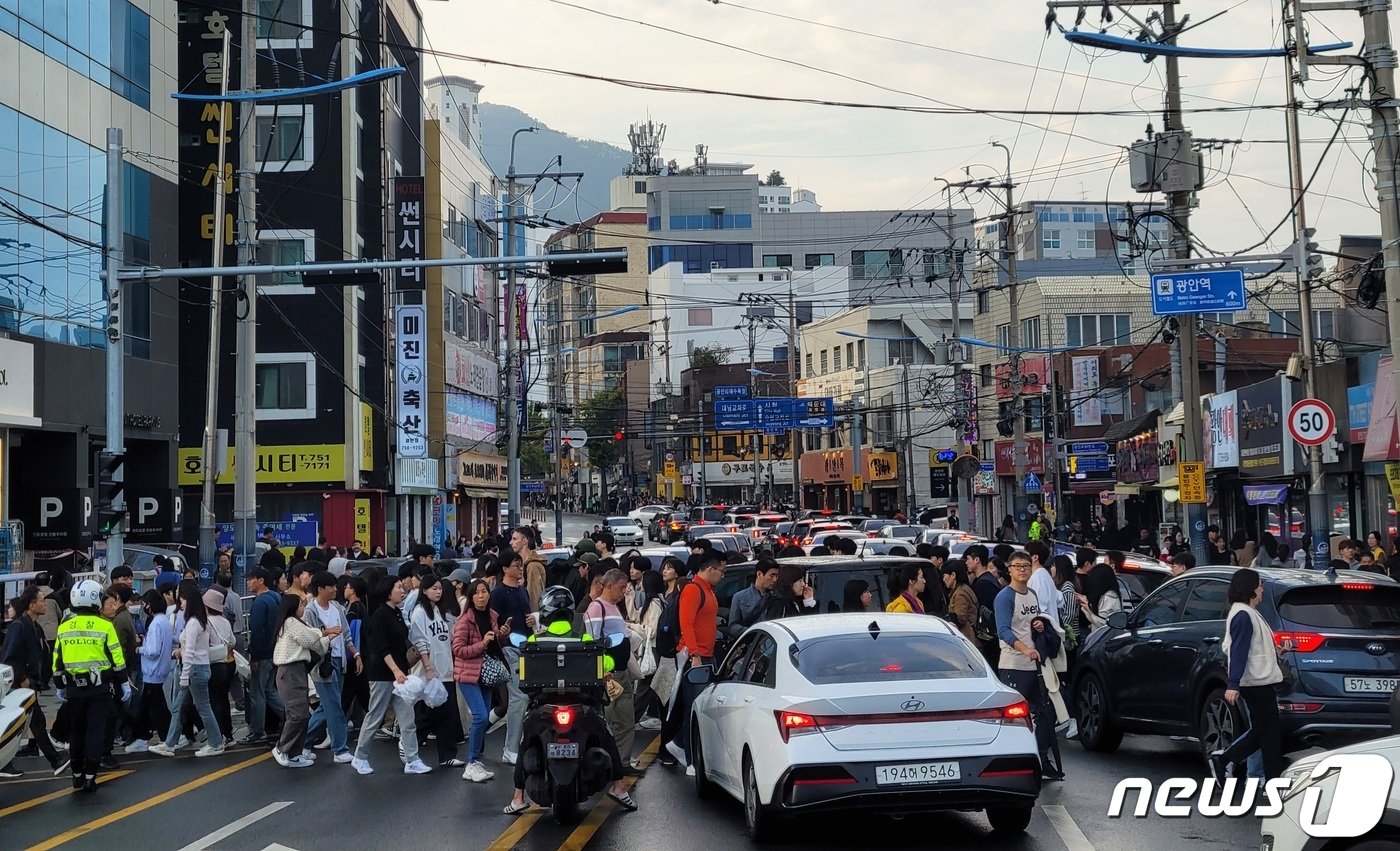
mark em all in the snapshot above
pixel 434 694
pixel 240 664
pixel 410 690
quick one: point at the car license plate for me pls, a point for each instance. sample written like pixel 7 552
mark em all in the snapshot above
pixel 564 751
pixel 1371 685
pixel 916 772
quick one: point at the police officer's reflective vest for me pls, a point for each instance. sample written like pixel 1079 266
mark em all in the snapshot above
pixel 86 650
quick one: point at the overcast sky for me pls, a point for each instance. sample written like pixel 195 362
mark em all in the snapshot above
pixel 988 54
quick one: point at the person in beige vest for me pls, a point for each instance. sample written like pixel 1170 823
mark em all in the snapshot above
pixel 1252 671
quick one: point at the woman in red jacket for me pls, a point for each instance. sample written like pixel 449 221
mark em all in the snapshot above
pixel 475 638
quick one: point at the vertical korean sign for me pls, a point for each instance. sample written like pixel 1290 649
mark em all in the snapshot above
pixel 411 332
pixel 201 68
pixel 408 230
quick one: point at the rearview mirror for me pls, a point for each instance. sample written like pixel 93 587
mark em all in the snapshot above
pixel 699 675
pixel 1118 620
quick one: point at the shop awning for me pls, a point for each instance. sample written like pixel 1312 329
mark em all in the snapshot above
pixel 484 493
pixel 1265 494
pixel 1090 486
pixel 1128 428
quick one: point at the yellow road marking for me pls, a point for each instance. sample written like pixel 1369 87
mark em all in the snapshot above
pixel 583 834
pixel 516 831
pixel 54 796
pixel 111 818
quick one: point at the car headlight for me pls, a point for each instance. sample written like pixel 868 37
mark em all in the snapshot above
pixel 1300 777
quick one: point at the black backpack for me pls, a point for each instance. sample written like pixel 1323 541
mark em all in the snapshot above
pixel 668 628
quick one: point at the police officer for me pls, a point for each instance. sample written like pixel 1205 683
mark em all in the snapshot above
pixel 87 662
pixel 556 618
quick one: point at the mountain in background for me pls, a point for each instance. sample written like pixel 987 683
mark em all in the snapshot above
pixel 599 161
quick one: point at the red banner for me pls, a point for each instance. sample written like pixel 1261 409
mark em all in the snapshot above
pixel 1006 456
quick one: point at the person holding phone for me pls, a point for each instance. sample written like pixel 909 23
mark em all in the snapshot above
pixel 793 596
pixel 511 603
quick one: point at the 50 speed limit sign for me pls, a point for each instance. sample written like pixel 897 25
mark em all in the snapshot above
pixel 1311 422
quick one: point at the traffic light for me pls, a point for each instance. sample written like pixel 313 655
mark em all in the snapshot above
pixel 618 435
pixel 109 490
pixel 1309 260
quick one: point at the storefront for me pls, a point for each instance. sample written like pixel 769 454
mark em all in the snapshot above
pixel 827 479
pixel 882 477
pixel 1004 465
pixel 731 482
pixel 1138 462
pixel 1267 496
pixel 418 483
pixel 482 489
pixel 1374 406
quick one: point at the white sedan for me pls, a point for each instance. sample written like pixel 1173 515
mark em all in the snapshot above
pixel 15 706
pixel 876 711
pixel 1360 774
pixel 824 539
pixel 626 532
pixel 646 513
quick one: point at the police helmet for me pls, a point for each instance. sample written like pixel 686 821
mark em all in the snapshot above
pixel 556 604
pixel 86 595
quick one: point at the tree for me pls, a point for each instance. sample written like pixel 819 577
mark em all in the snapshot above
pixel 602 416
pixel 715 355
pixel 534 461
pixel 775 178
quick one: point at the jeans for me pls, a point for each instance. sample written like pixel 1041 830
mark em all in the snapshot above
pixel 262 696
pixel 291 688
pixel 478 698
pixel 517 703
pixel 330 713
pixel 381 694
pixel 197 692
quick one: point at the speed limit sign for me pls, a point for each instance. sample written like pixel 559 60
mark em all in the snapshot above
pixel 1311 422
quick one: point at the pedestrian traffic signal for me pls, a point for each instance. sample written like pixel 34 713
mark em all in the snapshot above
pixel 618 435
pixel 110 486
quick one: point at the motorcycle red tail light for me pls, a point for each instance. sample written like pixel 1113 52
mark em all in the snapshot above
pixel 564 717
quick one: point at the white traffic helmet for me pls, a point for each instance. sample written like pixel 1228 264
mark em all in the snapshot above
pixel 86 595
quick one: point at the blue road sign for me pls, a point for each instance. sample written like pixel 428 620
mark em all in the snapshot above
pixel 774 415
pixel 1091 463
pixel 1090 447
pixel 734 416
pixel 1032 483
pixel 732 391
pixel 1199 291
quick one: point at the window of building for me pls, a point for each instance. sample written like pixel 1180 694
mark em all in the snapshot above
pixel 807 365
pixel 286 385
pixel 860 353
pixel 824 361
pixel 984 302
pixel 284 136
pixel 730 444
pixel 901 351
pixel 1004 335
pixel 877 265
pixel 1084 240
pixel 1097 329
pixel 1030 332
pixel 282 247
pixel 284 23
pixel 814 260
pixel 985 374
pixel 131 52
pixel 851 354
pixel 836 359
pixel 1218 318
pixel 1050 239
pixel 771 261
pixel 639 187
pixel 700 316
pixel 1285 323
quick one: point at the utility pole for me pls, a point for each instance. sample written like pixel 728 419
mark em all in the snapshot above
pixel 1318 524
pixel 794 436
pixel 756 437
pixel 556 392
pixel 245 501
pixel 857 435
pixel 513 384
pixel 908 463
pixel 116 341
pixel 213 464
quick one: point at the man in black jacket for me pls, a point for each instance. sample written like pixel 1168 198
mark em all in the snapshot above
pixel 25 651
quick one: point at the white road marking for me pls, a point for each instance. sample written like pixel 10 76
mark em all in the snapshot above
pixel 277 846
pixel 1070 834
pixel 233 827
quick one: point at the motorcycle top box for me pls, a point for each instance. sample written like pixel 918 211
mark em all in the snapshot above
pixel 555 664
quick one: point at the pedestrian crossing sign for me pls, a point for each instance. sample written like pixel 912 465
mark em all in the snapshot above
pixel 1032 484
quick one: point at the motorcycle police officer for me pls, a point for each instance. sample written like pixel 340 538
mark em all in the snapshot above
pixel 87 663
pixel 556 618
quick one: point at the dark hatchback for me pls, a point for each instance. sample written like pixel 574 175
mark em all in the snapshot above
pixel 1160 669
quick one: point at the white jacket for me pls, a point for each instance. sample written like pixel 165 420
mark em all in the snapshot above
pixel 296 641
pixel 1261 669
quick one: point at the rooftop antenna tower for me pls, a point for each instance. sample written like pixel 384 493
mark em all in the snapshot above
pixel 646 148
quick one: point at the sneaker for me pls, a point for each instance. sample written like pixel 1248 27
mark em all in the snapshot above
pixel 109 763
pixel 310 756
pixel 323 744
pixel 31 749
pixel 690 771
pixel 10 771
pixel 384 734
pixel 183 743
pixel 209 751
pixel 60 765
pixel 1219 769
pixel 495 716
pixel 477 773
pixel 1073 731
pixel 417 767
pixel 454 762
pixel 138 746
pixel 362 766
pixel 281 758
pixel 163 749
pixel 343 758
pixel 251 739
pixel 300 762
pixel 509 757
pixel 649 724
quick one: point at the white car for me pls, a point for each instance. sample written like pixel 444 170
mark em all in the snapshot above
pixel 897 532
pixel 872 711
pixel 15 706
pixel 626 532
pixel 1284 832
pixel 883 547
pixel 644 515
pixel 823 539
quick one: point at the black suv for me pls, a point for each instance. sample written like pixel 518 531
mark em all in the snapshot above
pixel 1160 669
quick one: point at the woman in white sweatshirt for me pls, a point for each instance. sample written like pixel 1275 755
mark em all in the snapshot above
pixel 430 631
pixel 195 674
pixel 292 654
pixel 1252 671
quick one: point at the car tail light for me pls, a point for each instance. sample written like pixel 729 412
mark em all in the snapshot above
pixel 1017 713
pixel 872 534
pixel 1011 767
pixel 1300 707
pixel 821 775
pixel 1357 586
pixel 563 717
pixel 1302 642
pixel 794 723
pixel 806 542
